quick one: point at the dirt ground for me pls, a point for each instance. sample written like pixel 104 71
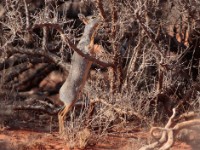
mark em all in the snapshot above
pixel 36 131
pixel 27 130
pixel 32 140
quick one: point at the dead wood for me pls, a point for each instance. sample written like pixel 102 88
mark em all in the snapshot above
pixel 30 104
pixel 12 61
pixel 168 133
pixel 12 73
pixel 39 53
pixel 40 108
pixel 188 116
pixel 35 78
pixel 101 9
pixel 116 77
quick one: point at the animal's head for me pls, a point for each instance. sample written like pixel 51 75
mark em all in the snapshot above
pixel 88 19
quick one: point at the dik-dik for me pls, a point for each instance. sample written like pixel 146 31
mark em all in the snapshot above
pixel 79 70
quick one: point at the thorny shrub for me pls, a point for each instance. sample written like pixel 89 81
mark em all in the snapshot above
pixel 154 43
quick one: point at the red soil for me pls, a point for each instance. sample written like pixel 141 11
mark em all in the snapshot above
pixel 30 140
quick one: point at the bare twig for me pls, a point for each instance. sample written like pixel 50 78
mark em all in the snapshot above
pixel 45 29
pixel 27 15
pixel 67 40
pixel 149 35
pixel 101 9
pixel 45 38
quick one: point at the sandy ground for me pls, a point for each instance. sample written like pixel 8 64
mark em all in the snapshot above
pixel 32 140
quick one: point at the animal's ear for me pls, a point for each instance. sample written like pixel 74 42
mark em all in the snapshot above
pixel 84 19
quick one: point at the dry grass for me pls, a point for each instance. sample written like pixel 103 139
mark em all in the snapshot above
pixel 156 55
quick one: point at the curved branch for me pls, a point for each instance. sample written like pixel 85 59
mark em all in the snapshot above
pixel 167 139
pixel 73 46
pixel 101 9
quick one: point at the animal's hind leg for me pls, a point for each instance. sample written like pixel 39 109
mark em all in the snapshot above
pixel 61 117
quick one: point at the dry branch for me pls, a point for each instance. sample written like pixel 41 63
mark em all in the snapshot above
pixel 45 38
pixel 39 52
pixel 101 9
pixel 41 108
pixel 167 138
pixel 115 73
pixel 158 49
pixel 27 14
pixel 67 40
pixel 12 61
pixel 36 77
pixel 16 71
pixel 28 105
pixel 187 116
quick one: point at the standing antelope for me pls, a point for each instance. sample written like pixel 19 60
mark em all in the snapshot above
pixel 79 70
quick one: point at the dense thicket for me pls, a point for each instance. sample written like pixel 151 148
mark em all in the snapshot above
pixel 154 44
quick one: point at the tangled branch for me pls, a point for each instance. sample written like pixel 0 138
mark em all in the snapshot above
pixel 167 138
